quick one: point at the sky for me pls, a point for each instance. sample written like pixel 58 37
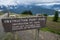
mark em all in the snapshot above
pixel 15 2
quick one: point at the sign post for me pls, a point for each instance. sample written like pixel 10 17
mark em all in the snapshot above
pixel 37 34
pixel 26 23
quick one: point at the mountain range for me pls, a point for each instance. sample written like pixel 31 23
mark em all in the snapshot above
pixel 40 9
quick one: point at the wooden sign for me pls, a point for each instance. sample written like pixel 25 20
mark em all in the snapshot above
pixel 17 24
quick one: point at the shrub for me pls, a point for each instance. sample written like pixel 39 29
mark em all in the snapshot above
pixel 27 12
pixel 45 14
pixel 55 16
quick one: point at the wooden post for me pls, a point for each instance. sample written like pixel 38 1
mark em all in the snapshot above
pixel 8 14
pixel 37 35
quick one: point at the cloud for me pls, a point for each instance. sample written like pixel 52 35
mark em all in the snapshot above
pixel 15 2
pixel 47 4
pixel 7 2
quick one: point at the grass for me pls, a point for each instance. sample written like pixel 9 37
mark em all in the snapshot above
pixel 1 13
pixel 11 36
pixel 52 26
pixel 24 15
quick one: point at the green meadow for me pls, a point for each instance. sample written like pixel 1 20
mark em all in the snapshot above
pixel 51 26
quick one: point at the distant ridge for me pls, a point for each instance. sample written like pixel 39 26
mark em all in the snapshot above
pixel 42 9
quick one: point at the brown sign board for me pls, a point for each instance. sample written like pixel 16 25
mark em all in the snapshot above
pixel 17 24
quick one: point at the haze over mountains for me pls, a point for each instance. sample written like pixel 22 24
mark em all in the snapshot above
pixel 41 8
